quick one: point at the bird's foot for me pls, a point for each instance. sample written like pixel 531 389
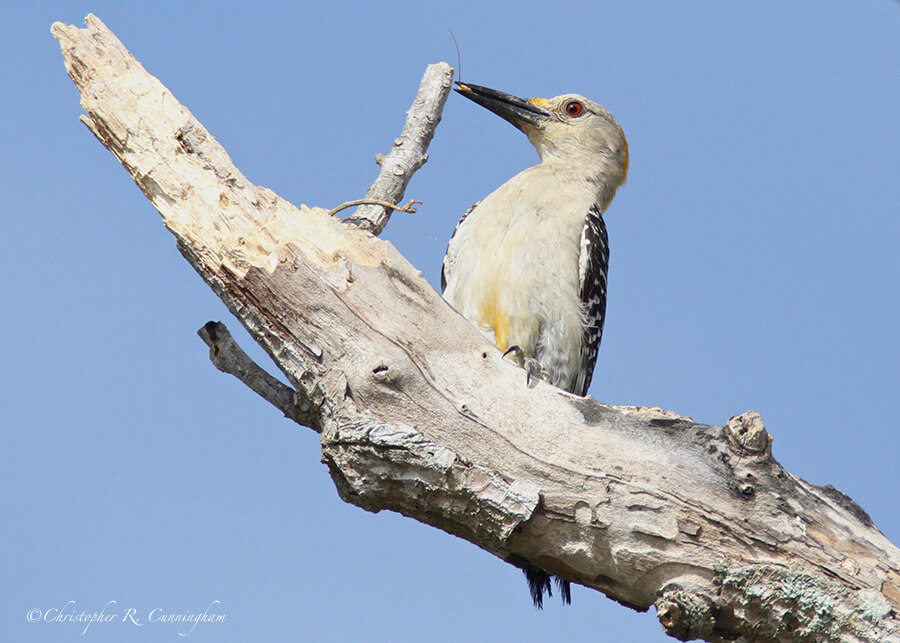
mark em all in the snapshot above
pixel 533 369
pixel 516 355
pixel 533 372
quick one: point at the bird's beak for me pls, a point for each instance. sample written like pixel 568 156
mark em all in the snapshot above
pixel 520 112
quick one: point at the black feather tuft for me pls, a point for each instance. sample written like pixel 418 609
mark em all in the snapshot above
pixel 565 589
pixel 538 583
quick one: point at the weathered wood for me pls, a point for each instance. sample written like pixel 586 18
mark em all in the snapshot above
pixel 420 414
pixel 408 151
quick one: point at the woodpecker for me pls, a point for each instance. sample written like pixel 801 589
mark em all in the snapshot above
pixel 528 263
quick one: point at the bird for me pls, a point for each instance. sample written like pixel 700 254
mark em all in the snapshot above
pixel 528 263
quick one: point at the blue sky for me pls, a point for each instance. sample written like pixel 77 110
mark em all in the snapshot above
pixel 754 266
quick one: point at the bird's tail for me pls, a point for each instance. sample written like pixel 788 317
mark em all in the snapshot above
pixel 539 584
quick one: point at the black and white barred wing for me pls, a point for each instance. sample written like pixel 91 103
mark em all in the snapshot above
pixel 593 266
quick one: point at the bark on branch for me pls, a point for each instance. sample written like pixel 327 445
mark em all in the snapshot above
pixel 420 414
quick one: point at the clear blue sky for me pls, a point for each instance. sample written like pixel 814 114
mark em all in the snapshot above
pixel 754 266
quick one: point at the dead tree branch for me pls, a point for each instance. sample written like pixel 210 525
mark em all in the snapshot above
pixel 408 152
pixel 228 357
pixel 420 414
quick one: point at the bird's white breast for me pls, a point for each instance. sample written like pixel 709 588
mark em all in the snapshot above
pixel 514 268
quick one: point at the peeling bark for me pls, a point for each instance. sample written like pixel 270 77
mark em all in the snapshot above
pixel 419 414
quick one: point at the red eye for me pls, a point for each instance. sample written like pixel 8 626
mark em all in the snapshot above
pixel 574 108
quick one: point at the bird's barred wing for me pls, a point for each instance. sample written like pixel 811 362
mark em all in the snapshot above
pixel 450 257
pixel 593 265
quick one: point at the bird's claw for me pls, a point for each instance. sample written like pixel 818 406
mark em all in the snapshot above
pixel 534 372
pixel 516 354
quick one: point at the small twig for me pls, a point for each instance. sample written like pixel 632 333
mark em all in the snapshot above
pixel 228 357
pixel 402 208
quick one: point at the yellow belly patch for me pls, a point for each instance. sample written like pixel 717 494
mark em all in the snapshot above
pixel 490 315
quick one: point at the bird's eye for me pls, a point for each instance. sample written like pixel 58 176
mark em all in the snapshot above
pixel 574 108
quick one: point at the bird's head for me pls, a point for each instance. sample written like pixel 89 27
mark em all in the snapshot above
pixel 570 128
